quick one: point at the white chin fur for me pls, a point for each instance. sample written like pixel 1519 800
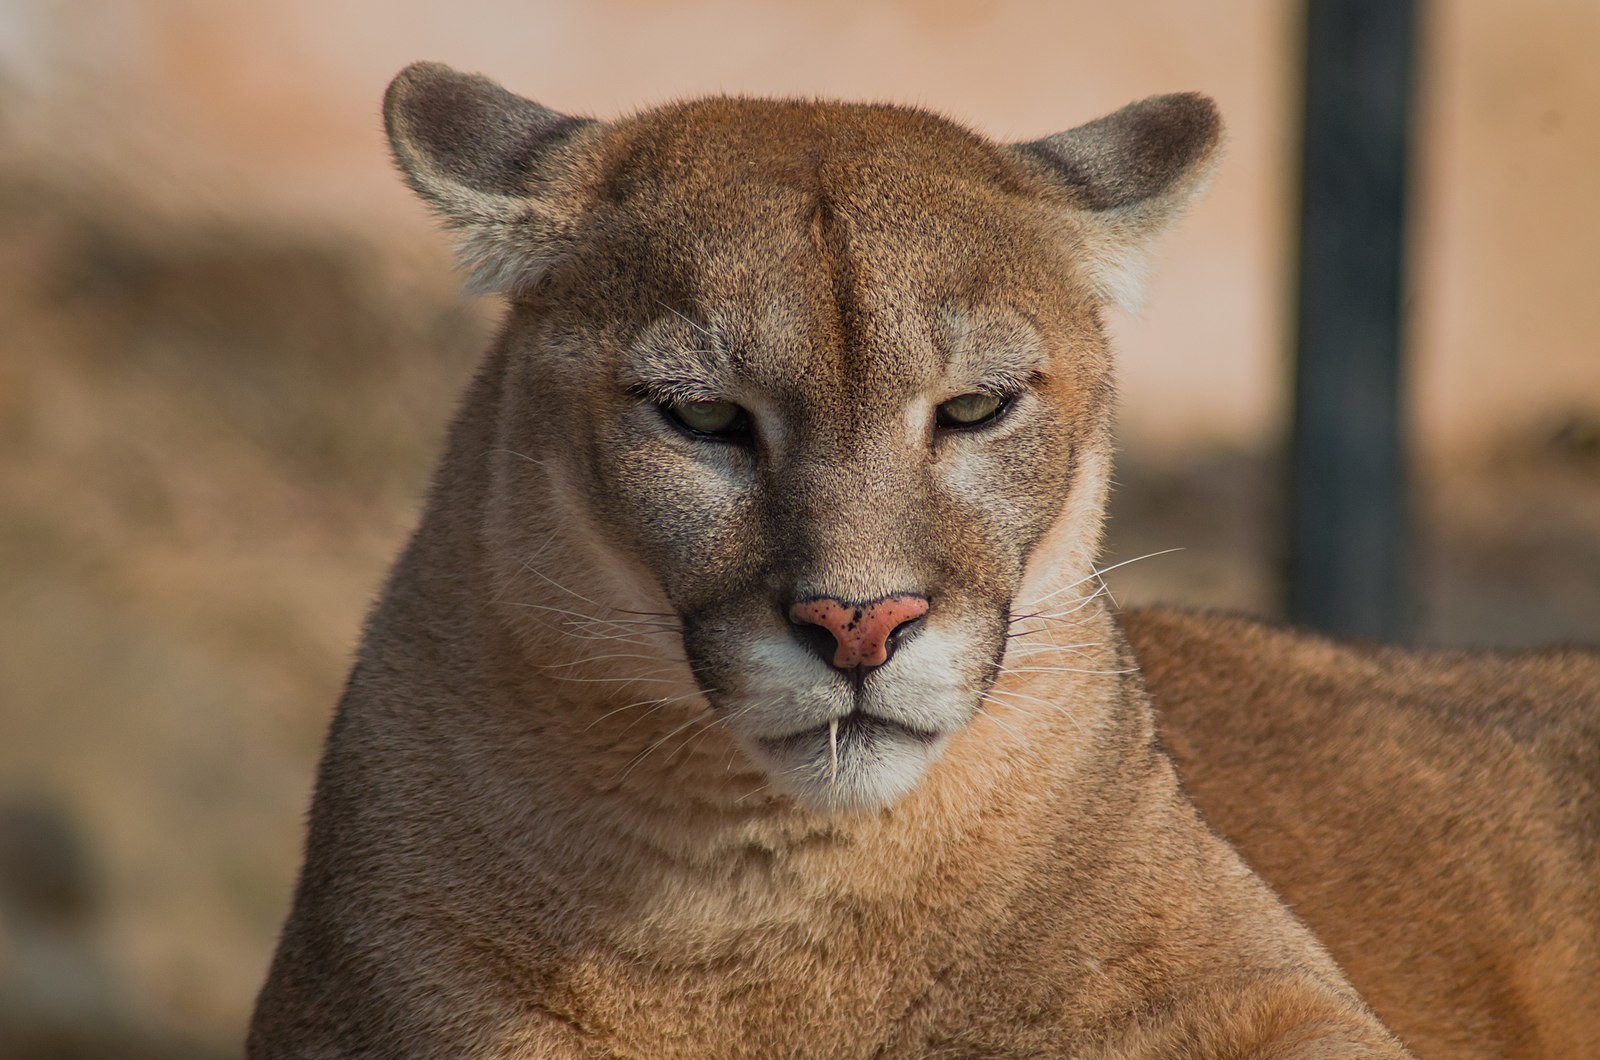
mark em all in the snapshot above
pixel 895 728
pixel 866 771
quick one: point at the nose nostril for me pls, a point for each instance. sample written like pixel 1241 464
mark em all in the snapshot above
pixel 817 638
pixel 903 630
pixel 854 638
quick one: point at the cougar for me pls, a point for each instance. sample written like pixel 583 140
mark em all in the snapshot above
pixel 747 689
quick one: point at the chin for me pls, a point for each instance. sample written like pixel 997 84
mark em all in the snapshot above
pixel 868 764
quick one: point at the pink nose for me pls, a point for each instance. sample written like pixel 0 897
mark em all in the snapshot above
pixel 863 634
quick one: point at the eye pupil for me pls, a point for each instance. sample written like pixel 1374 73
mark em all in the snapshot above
pixel 716 418
pixel 970 410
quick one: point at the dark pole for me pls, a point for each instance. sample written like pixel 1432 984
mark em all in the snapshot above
pixel 1348 530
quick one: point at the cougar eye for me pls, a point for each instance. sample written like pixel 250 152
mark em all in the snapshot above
pixel 717 419
pixel 970 410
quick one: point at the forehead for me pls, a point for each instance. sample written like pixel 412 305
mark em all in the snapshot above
pixel 716 145
pixel 867 233
pixel 746 178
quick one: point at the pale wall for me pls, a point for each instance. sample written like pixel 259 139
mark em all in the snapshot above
pixel 271 108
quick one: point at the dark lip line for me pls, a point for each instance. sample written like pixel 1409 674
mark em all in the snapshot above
pixel 856 718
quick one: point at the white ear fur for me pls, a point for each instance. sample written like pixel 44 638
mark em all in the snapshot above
pixel 496 167
pixel 1123 245
pixel 500 257
pixel 1118 269
pixel 1129 176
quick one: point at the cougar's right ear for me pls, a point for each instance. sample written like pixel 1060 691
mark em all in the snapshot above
pixel 1130 175
pixel 495 166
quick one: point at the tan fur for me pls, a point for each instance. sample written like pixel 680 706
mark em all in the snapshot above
pixel 589 794
pixel 1434 817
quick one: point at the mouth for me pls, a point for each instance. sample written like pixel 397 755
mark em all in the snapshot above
pixel 859 761
pixel 855 727
pixel 834 747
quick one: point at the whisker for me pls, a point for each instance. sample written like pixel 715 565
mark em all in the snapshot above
pixel 1021 650
pixel 1082 603
pixel 701 328
pixel 629 706
pixel 626 729
pixel 573 592
pixel 629 637
pixel 694 738
pixel 753 791
pixel 1065 670
pixel 653 676
pixel 1049 703
pixel 603 658
pixel 659 704
pixel 642 755
pixel 1057 708
pixel 535 461
pixel 578 618
pixel 1099 572
pixel 1007 729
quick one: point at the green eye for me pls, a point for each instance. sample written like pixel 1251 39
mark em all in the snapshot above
pixel 720 419
pixel 970 410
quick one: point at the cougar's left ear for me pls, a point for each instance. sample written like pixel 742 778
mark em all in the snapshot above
pixel 499 168
pixel 1132 174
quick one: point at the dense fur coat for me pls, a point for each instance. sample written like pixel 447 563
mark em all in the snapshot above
pixel 1435 817
pixel 745 690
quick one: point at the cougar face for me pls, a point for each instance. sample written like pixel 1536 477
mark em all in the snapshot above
pixel 835 454
pixel 821 377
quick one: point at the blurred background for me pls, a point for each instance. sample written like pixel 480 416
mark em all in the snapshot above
pixel 230 340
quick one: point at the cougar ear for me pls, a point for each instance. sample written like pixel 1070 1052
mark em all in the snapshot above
pixel 1132 174
pixel 493 165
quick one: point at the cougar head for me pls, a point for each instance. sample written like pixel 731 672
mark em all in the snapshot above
pixel 829 380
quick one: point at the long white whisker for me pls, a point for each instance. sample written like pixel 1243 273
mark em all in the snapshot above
pixel 1057 708
pixel 695 737
pixel 653 703
pixel 654 676
pixel 1082 603
pixel 702 329
pixel 753 791
pixel 620 623
pixel 1007 729
pixel 1098 572
pixel 573 592
pixel 1051 703
pixel 629 637
pixel 535 461
pixel 602 658
pixel 642 755
pixel 1022 651
pixel 1047 616
pixel 1064 670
